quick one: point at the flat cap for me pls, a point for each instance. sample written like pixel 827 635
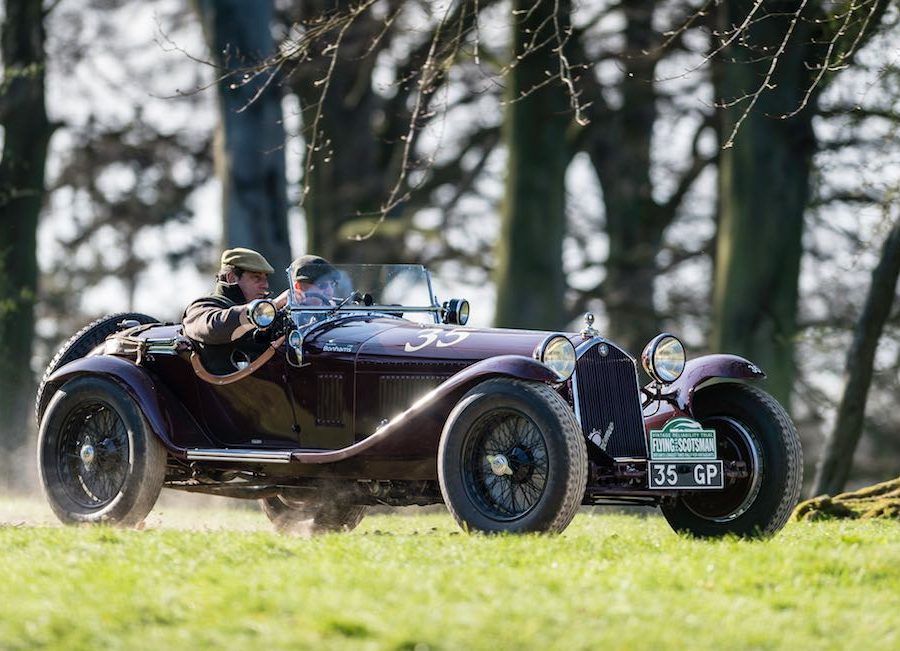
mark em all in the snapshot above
pixel 309 268
pixel 246 259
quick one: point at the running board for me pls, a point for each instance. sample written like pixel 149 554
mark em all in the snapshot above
pixel 247 456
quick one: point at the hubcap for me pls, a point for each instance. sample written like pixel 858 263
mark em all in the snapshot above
pixel 87 454
pixel 499 464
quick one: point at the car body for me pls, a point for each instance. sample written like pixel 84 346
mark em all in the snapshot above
pixel 387 401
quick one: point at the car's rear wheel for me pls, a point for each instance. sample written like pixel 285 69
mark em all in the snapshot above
pixel 755 431
pixel 512 458
pixel 79 345
pixel 306 517
pixel 98 459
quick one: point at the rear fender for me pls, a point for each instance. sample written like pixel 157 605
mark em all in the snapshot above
pixel 417 431
pixel 701 370
pixel 166 416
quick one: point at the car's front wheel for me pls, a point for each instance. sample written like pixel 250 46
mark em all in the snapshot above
pixel 755 433
pixel 306 517
pixel 512 458
pixel 98 459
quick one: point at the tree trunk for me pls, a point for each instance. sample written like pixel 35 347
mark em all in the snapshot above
pixel 250 140
pixel 355 137
pixel 620 153
pixel 837 457
pixel 763 189
pixel 530 279
pixel 26 135
pixel 348 166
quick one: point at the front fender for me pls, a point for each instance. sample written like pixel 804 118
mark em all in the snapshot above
pixel 416 432
pixel 164 413
pixel 702 369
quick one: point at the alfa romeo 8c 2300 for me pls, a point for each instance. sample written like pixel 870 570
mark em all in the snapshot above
pixel 379 394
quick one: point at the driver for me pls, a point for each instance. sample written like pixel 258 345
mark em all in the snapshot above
pixel 219 321
pixel 314 280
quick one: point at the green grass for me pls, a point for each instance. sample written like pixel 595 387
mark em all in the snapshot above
pixel 416 582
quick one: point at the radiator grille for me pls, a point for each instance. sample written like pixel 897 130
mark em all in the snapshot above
pixel 606 392
pixel 330 399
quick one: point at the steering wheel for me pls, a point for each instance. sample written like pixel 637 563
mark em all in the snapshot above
pixel 324 301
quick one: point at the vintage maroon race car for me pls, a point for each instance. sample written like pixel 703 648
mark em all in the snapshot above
pixel 383 396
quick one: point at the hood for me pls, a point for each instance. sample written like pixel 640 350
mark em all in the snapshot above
pixel 411 341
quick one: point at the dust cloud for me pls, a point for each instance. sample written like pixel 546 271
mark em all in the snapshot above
pixel 22 502
pixel 174 510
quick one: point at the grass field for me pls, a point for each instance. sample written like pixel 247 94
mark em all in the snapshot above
pixel 219 578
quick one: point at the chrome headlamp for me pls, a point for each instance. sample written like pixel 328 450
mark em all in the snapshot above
pixel 664 358
pixel 557 353
pixel 261 313
pixel 455 311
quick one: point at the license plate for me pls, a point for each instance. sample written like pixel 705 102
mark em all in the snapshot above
pixel 686 474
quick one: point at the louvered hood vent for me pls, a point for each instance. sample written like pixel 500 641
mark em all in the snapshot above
pixel 330 400
pixel 396 393
pixel 607 400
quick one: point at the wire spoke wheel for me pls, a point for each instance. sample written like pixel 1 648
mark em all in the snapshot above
pixel 512 459
pixel 753 431
pixel 98 459
pixel 93 455
pixel 505 463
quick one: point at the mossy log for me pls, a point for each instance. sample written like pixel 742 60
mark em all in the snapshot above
pixel 877 501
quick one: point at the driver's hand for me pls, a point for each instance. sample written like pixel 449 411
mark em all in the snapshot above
pixel 273 332
pixel 281 300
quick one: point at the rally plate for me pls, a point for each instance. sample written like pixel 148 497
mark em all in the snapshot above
pixel 683 456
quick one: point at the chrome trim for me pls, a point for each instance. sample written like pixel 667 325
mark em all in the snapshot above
pixel 452 310
pixel 434 301
pixel 541 348
pixel 582 348
pixel 365 308
pixel 250 456
pixel 649 353
pixel 168 346
pixel 252 306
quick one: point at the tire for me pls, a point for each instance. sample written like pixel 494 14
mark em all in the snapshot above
pixel 98 459
pixel 79 345
pixel 295 517
pixel 751 427
pixel 512 458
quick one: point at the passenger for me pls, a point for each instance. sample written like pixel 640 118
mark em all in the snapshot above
pixel 221 318
pixel 314 280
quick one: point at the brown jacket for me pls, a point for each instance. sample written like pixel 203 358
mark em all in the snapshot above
pixel 220 318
